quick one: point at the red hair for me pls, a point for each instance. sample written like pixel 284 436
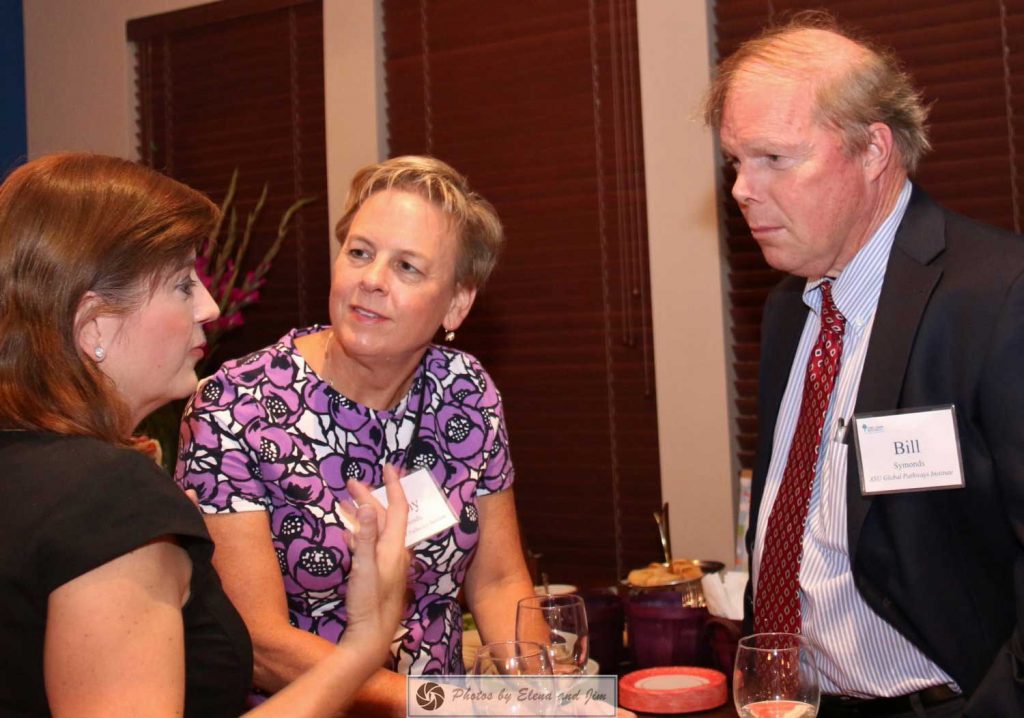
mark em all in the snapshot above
pixel 72 224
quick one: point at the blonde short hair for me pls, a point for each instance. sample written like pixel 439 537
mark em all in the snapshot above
pixel 473 219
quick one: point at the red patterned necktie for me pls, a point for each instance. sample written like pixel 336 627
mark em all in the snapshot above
pixel 778 600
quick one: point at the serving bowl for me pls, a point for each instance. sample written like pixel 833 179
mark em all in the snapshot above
pixel 690 590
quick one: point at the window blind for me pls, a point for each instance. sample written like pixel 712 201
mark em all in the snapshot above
pixel 239 84
pixel 537 101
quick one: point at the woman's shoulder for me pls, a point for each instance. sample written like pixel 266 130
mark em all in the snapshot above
pixel 451 361
pixel 278 364
pixel 71 457
pixel 82 474
pixel 461 377
pixel 84 502
pixel 282 353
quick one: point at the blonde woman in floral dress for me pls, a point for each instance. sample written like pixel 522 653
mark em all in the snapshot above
pixel 270 439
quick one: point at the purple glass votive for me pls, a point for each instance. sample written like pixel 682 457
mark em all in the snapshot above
pixel 605 621
pixel 722 636
pixel 664 632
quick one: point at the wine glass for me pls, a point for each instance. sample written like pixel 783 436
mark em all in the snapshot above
pixel 775 676
pixel 512 658
pixel 560 623
pixel 508 668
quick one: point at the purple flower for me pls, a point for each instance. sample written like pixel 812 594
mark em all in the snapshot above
pixel 437 364
pixel 464 391
pixel 462 431
pixel 215 393
pixel 345 414
pixel 337 469
pixel 269 443
pixel 290 523
pixel 263 366
pixel 281 404
pixel 331 625
pixel 204 484
pixel 303 488
pixel 315 567
pixel 247 410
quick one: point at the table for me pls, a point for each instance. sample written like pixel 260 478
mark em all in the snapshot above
pixel 726 711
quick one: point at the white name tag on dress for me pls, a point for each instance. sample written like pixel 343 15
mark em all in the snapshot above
pixel 914 450
pixel 429 510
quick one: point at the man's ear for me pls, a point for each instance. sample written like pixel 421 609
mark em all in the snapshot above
pixel 880 149
pixel 460 305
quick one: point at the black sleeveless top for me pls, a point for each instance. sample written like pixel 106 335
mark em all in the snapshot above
pixel 69 505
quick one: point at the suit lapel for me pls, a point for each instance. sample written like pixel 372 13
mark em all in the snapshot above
pixel 910 279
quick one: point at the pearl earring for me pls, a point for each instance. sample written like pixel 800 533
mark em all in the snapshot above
pixel 449 335
pixel 100 353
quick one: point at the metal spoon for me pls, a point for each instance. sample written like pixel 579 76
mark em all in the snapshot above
pixel 661 518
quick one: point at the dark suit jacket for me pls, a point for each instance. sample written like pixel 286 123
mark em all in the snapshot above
pixel 946 568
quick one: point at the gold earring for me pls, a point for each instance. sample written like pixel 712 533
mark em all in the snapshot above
pixel 449 335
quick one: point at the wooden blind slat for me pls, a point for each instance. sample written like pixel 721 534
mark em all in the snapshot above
pixel 240 85
pixel 200 16
pixel 533 101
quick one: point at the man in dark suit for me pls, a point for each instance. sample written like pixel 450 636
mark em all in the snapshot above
pixel 913 598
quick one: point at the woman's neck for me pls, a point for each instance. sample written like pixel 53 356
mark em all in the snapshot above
pixel 379 384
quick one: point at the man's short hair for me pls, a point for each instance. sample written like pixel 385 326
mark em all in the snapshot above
pixel 873 88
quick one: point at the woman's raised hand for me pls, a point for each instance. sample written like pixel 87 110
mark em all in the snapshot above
pixel 375 602
pixel 376 595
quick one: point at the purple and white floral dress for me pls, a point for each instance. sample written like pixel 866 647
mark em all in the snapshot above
pixel 266 433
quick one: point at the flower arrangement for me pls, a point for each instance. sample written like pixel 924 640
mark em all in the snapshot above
pixel 219 264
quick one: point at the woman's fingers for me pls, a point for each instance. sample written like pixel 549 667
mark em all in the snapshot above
pixel 398 507
pixel 391 521
pixel 366 536
pixel 363 497
pixel 376 590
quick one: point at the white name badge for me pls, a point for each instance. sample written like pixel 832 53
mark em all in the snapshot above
pixel 915 450
pixel 429 510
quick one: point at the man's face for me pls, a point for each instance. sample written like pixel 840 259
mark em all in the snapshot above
pixel 806 200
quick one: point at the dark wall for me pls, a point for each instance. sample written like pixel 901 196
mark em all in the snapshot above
pixel 13 143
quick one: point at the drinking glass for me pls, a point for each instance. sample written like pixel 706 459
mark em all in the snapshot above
pixel 508 668
pixel 560 623
pixel 512 658
pixel 775 677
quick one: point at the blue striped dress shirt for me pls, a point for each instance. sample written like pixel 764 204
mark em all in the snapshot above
pixel 859 654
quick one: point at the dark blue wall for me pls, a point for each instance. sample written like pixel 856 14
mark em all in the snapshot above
pixel 13 143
